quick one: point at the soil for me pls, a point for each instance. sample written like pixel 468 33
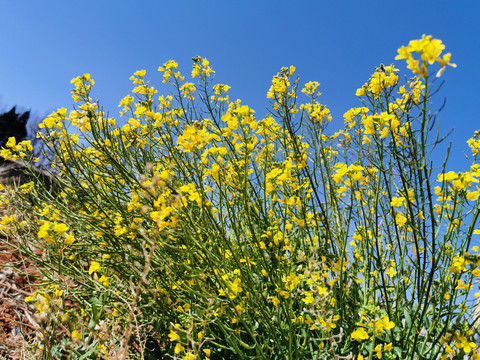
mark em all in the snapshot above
pixel 17 281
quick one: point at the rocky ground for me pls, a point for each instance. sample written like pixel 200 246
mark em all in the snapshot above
pixel 17 281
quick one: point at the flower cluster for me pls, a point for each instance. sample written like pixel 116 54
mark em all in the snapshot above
pixel 429 50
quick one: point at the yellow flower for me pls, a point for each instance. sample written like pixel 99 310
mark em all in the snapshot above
pixel 473 195
pixel 403 54
pixel 60 228
pixel 173 336
pixel 76 335
pixel 383 324
pixel 400 219
pixel 140 73
pixel 447 177
pixel 6 220
pixel 310 87
pixel 189 356
pixel 69 239
pixel 360 334
pixel 429 50
pixel 44 230
pixel 416 68
pixel 236 288
pixel 446 60
pixel 308 298
pixel 459 263
pixel 292 281
pixel 178 348
pixel 462 286
pixel 390 272
pixel 397 201
pixel 463 343
pixel 94 266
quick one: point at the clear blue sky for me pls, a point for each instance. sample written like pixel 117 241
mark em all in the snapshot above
pixel 44 44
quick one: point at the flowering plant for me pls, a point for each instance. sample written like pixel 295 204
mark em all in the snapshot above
pixel 203 232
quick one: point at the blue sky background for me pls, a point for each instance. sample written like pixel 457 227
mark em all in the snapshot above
pixel 44 44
